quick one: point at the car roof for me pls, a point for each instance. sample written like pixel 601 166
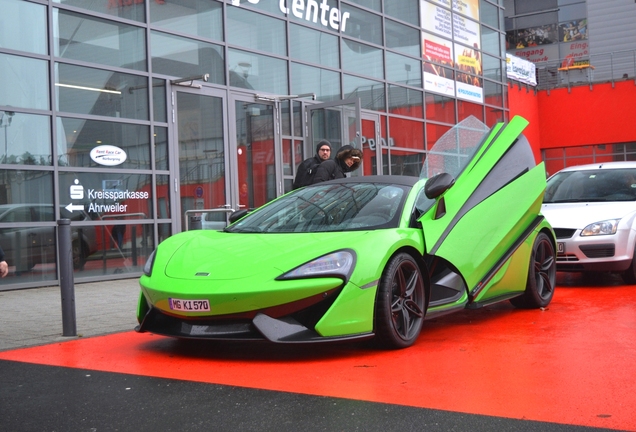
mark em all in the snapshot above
pixel 601 165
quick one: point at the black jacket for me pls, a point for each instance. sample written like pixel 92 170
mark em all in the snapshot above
pixel 337 168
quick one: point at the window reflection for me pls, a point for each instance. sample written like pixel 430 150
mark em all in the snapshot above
pixel 182 57
pixel 258 72
pixel 256 31
pixel 76 140
pixel 25 139
pixel 306 79
pixel 201 18
pixel 85 90
pixel 15 72
pixel 23 26
pixel 81 37
pixel 129 9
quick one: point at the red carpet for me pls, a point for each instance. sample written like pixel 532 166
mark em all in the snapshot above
pixel 574 363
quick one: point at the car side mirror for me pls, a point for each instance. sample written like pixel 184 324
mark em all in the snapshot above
pixel 437 185
pixel 237 215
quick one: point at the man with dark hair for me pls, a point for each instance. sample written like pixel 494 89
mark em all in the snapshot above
pixel 307 169
pixel 347 159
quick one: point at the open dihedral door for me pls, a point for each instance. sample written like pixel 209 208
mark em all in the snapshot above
pixel 496 198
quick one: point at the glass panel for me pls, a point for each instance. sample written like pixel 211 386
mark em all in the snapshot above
pixel 371 93
pixel 407 134
pixel 257 72
pixel 23 26
pixel 492 68
pixel 256 31
pixel 15 72
pixel 406 11
pixel 402 38
pixel 490 41
pixel 307 79
pixel 98 144
pixel 161 149
pixel 371 4
pixel 434 132
pixel 361 58
pixel 493 93
pixel 298 119
pixel 288 157
pixel 201 152
pixel 440 108
pixel 159 100
pixel 25 186
pixel 524 6
pixel 403 162
pixel 122 248
pixel 165 231
pixel 488 14
pixel 256 161
pixel 26 139
pixel 325 16
pixel 182 57
pixel 203 18
pixel 362 25
pixel 85 90
pixel 129 9
pixel 313 46
pixel 80 37
pixel 493 116
pixel 403 70
pixel 163 197
pixel 405 101
pixel 466 109
pixel 285 117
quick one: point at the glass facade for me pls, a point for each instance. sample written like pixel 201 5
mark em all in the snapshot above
pixel 136 120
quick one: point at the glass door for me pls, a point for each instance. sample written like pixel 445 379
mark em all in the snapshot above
pixel 256 159
pixel 338 122
pixel 200 189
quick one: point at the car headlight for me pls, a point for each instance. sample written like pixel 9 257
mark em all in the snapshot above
pixel 149 263
pixel 336 263
pixel 606 227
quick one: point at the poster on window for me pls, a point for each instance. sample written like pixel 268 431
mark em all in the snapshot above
pixel 436 19
pixel 458 48
pixel 437 53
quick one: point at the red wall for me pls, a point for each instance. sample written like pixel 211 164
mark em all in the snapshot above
pixel 582 116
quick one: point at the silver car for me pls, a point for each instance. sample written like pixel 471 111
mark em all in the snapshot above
pixel 592 209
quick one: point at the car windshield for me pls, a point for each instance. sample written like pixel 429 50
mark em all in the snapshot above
pixel 598 185
pixel 454 150
pixel 328 208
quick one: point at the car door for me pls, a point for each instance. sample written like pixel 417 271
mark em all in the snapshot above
pixel 493 204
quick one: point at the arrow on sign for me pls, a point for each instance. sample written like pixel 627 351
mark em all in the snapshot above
pixel 72 207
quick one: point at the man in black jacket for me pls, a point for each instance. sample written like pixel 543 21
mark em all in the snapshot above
pixel 347 159
pixel 307 169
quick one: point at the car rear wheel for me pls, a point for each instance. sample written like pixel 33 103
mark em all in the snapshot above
pixel 541 275
pixel 399 310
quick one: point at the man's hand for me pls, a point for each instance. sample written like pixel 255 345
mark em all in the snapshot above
pixel 4 268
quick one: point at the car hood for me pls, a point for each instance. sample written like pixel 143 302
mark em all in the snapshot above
pixel 231 256
pixel 580 215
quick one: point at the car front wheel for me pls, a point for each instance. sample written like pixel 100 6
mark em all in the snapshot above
pixel 541 275
pixel 399 310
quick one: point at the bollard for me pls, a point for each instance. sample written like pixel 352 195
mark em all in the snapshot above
pixel 67 288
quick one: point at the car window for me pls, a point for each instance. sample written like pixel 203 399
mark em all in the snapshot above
pixel 329 207
pixel 592 186
pixel 19 214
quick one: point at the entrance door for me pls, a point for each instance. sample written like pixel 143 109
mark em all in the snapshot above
pixel 256 157
pixel 199 178
pixel 339 123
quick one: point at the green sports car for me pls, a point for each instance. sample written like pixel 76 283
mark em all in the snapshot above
pixel 366 257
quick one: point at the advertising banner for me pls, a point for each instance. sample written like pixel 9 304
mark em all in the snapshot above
pixel 521 70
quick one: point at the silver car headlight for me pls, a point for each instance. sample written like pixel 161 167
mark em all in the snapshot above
pixel 337 263
pixel 607 227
